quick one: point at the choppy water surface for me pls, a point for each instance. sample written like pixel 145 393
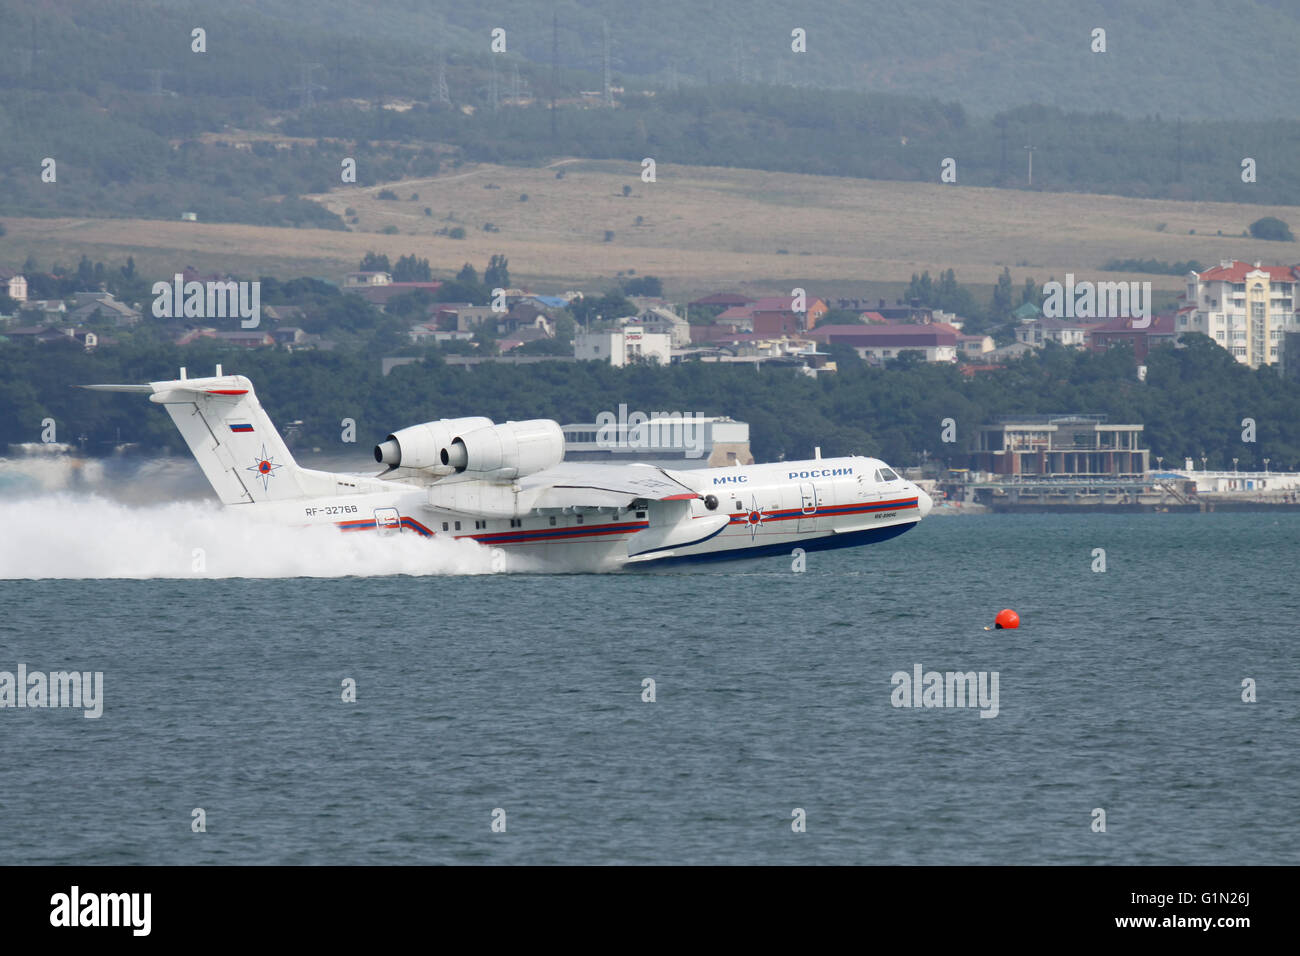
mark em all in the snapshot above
pixel 1122 690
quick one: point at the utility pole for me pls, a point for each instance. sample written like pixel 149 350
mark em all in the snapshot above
pixel 31 53
pixel 609 90
pixel 1002 167
pixel 444 97
pixel 1178 152
pixel 555 65
pixel 305 86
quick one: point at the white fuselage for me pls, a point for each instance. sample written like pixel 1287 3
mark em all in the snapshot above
pixel 741 512
pixel 508 487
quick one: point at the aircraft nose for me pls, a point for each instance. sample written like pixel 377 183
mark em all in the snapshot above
pixel 924 502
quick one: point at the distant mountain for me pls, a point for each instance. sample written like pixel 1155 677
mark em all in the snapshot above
pixel 1189 58
pixel 235 110
pixel 1194 58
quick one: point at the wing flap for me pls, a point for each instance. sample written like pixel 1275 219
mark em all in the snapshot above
pixel 604 485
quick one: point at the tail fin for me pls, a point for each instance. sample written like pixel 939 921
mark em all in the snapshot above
pixel 238 448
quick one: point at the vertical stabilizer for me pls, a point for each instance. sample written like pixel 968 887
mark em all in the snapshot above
pixel 232 438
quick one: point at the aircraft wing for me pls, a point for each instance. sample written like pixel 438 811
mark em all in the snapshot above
pixel 596 485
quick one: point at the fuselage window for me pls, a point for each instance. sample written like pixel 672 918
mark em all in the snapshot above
pixel 516 523
pixel 444 526
pixel 457 525
pixel 552 521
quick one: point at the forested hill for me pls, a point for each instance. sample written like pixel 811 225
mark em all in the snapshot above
pixel 1189 58
pixel 143 126
pixel 1192 402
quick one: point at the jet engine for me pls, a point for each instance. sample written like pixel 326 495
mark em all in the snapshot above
pixel 475 445
pixel 511 450
pixel 423 446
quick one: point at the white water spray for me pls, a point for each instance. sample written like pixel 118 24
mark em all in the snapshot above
pixel 74 536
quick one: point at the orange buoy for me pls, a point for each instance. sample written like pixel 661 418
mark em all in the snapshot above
pixel 1006 619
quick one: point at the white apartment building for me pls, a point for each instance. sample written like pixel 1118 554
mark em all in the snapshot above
pixel 355 280
pixel 14 285
pixel 1068 333
pixel 626 346
pixel 1245 308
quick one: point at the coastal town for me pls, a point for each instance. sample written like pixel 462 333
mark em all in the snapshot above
pixel 1249 309
pixel 1065 461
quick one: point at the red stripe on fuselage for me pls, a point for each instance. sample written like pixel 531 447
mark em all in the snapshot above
pixel 368 524
pixel 520 536
pixel 830 511
pixel 515 535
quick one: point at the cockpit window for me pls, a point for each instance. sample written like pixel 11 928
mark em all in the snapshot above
pixel 888 474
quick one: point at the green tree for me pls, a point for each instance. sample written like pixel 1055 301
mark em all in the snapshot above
pixel 497 274
pixel 373 262
pixel 1270 227
pixel 1030 293
pixel 1002 294
pixel 411 269
pixel 644 285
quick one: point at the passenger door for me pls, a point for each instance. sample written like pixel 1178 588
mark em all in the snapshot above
pixel 808 504
pixel 387 520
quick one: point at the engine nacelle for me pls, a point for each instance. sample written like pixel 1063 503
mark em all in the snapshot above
pixel 511 450
pixel 425 446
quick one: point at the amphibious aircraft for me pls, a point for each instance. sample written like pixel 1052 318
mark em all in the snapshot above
pixel 507 486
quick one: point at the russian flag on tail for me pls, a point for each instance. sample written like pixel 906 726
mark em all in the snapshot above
pixel 241 428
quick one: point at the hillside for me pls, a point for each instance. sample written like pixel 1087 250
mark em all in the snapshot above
pixel 701 228
pixel 986 54
pixel 141 126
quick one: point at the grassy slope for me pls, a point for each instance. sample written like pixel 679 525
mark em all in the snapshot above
pixel 703 228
